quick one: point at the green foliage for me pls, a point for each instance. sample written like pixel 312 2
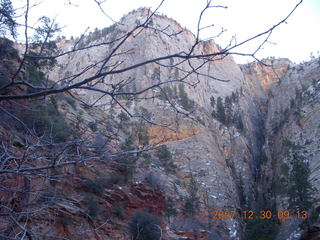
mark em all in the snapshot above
pixel 93 126
pixel 127 161
pixel 298 95
pixel 46 30
pixel 212 102
pixel 225 113
pixel 119 211
pixel 43 44
pixel 123 117
pixel 292 103
pixel 36 77
pixel 286 114
pixel 165 157
pixel 98 185
pixel 140 132
pixel 94 210
pixel 284 168
pixel 300 189
pixel 7 49
pixel 171 209
pixel 7 22
pixel 108 30
pixel 315 215
pixel 144 226
pixel 156 74
pixel 235 97
pixel 145 113
pixel 65 220
pixel 184 100
pixel 238 122
pixel 166 93
pixel 241 193
pixel 163 153
pixel 45 119
pixel 291 145
pixel 220 113
pixel 191 204
pixel 262 229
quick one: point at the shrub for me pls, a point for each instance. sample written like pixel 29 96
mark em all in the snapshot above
pixel 36 77
pixel 171 209
pixel 123 117
pixel 98 185
pixel 93 126
pixel 144 226
pixel 164 155
pixel 95 187
pixel 220 113
pixel 127 162
pixel 212 102
pixel 156 74
pixel 7 49
pixel 154 181
pixel 166 93
pixel 140 128
pixel 300 191
pixel 94 210
pixel 46 120
pixel 145 113
pixel 191 204
pixel 184 100
pixel 65 220
pixel 119 211
pixel 262 229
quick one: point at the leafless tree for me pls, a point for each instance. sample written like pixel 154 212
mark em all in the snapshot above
pixel 31 164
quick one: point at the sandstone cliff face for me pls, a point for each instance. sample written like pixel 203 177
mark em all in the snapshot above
pixel 288 99
pixel 147 44
pixel 230 161
pixel 226 162
pixel 219 158
pixel 292 129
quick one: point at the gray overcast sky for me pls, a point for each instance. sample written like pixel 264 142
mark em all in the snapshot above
pixel 243 18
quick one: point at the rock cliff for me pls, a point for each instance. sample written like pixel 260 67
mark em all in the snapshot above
pixel 234 158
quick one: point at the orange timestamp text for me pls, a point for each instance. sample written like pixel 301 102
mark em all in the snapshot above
pixel 263 214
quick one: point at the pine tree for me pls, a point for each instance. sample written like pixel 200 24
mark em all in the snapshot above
pixel 191 204
pixel 165 157
pixel 7 22
pixel 212 102
pixel 127 162
pixel 221 116
pixel 228 110
pixel 171 209
pixel 184 100
pixel 300 189
pixel 262 229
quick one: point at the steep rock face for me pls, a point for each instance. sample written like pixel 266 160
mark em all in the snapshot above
pixel 287 98
pixel 147 44
pixel 220 158
pixel 261 75
pixel 292 129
